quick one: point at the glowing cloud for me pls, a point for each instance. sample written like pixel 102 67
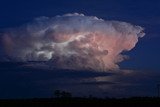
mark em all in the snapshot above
pixel 72 41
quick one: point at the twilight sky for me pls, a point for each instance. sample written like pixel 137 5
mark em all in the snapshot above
pixel 137 76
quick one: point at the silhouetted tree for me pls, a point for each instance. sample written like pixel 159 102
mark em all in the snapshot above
pixel 62 94
pixel 90 96
pixel 66 94
pixel 57 93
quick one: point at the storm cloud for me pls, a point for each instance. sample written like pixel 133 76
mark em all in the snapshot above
pixel 72 41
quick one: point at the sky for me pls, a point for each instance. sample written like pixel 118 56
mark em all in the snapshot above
pixel 137 75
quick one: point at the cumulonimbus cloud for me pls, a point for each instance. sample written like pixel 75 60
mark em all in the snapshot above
pixel 72 41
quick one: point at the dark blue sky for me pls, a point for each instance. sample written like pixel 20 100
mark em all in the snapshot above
pixel 144 57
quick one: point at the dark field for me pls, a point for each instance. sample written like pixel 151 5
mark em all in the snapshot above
pixel 74 102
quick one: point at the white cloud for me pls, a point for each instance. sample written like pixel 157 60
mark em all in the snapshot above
pixel 72 41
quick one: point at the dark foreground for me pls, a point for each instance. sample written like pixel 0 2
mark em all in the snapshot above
pixel 74 102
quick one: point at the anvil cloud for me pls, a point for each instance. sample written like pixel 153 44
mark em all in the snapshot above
pixel 72 41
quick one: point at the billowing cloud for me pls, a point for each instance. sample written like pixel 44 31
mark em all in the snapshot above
pixel 72 41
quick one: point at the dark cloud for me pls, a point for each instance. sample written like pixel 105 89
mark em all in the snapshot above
pixel 34 82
